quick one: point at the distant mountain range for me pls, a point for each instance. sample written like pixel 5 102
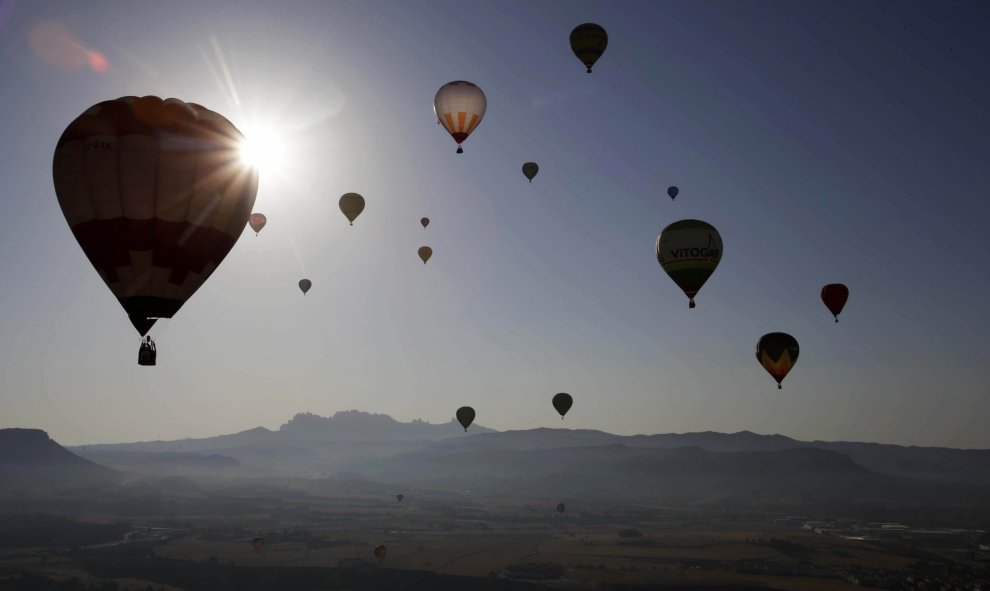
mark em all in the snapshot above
pixel 28 457
pixel 739 469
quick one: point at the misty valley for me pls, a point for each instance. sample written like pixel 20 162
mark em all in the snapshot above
pixel 361 501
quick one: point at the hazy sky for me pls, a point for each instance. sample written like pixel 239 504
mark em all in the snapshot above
pixel 827 142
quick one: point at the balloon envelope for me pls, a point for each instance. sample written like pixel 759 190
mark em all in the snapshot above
pixel 689 251
pixel 777 352
pixel 380 552
pixel 425 221
pixel 834 295
pixel 258 221
pixel 156 195
pixel 672 192
pixel 258 544
pixel 588 42
pixel 465 416
pixel 530 169
pixel 400 497
pixel 460 106
pixel 351 205
pixel 562 402
pixel 425 252
pixel 304 285
pixel 560 507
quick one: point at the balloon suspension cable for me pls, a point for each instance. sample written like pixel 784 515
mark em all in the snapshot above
pixel 691 303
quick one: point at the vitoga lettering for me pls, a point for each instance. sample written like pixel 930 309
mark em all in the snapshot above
pixel 689 251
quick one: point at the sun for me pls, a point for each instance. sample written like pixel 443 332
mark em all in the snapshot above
pixel 263 149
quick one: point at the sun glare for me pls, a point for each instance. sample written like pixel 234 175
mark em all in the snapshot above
pixel 262 149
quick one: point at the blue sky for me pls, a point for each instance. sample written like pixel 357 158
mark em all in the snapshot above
pixel 827 142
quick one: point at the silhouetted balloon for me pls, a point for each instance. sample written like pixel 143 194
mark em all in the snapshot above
pixel 530 169
pixel 258 544
pixel 562 402
pixel 588 42
pixel 425 221
pixel 304 285
pixel 672 192
pixel 380 552
pixel 460 106
pixel 777 352
pixel 258 221
pixel 834 295
pixel 560 507
pixel 689 251
pixel 400 497
pixel 465 416
pixel 425 252
pixel 351 205
pixel 156 195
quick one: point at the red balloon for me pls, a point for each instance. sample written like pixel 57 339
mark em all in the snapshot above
pixel 380 552
pixel 835 295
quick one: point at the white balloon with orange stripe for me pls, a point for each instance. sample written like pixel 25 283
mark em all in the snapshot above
pixel 460 106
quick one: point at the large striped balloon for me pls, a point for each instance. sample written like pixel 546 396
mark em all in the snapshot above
pixel 689 251
pixel 156 196
pixel 460 106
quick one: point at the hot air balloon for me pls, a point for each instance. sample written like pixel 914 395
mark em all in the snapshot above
pixel 460 107
pixel 560 507
pixel 380 552
pixel 425 221
pixel 425 252
pixel 304 285
pixel 351 204
pixel 562 402
pixel 588 42
pixel 156 195
pixel 258 544
pixel 834 295
pixel 465 416
pixel 530 169
pixel 257 221
pixel 672 192
pixel 777 352
pixel 400 497
pixel 689 251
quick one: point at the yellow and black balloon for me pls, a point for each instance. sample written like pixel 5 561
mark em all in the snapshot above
pixel 777 352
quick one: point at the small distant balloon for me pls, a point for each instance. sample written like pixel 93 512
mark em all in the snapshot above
pixel 304 285
pixel 380 552
pixel 425 221
pixel 560 507
pixel 399 497
pixel 351 205
pixel 465 416
pixel 562 402
pixel 530 169
pixel 588 42
pixel 258 544
pixel 425 252
pixel 258 221
pixel 777 352
pixel 672 192
pixel 834 296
